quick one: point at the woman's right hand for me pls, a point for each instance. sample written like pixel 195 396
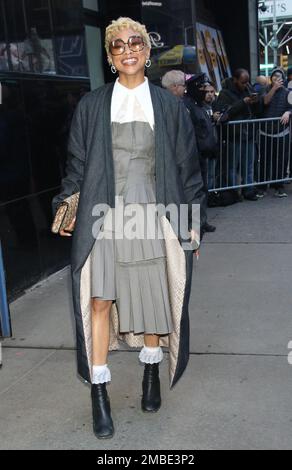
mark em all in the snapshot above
pixel 70 228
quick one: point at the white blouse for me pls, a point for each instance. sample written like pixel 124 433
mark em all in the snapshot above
pixel 132 104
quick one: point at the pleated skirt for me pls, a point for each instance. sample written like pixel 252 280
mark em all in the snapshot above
pixel 132 272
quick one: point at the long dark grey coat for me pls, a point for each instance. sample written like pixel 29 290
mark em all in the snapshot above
pixel 90 169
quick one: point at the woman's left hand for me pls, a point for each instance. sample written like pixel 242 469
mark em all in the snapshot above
pixel 285 118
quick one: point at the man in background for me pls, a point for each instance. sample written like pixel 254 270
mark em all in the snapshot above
pixel 243 104
pixel 212 158
pixel 174 81
pixel 198 100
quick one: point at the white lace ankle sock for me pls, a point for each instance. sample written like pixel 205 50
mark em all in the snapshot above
pixel 151 355
pixel 101 374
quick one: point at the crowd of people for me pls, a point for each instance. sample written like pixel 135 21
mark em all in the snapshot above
pixel 251 153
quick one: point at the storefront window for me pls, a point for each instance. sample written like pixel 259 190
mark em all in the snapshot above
pixel 15 171
pixel 12 31
pixel 38 16
pixel 3 54
pixel 67 15
pixel 2 26
pixel 27 44
pixel 91 5
pixel 71 55
pixel 43 37
pixel 37 54
pixel 13 16
pixel 37 48
pixel 172 36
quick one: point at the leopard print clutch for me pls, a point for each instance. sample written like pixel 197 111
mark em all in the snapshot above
pixel 65 214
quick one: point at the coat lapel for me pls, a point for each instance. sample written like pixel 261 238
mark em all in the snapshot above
pixel 109 162
pixel 159 144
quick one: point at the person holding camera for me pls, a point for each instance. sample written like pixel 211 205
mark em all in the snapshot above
pixel 208 105
pixel 275 135
pixel 198 101
pixel 199 105
pixel 242 104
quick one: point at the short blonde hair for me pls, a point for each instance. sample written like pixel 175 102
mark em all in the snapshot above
pixel 125 23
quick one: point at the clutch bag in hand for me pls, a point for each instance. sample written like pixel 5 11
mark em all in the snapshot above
pixel 65 213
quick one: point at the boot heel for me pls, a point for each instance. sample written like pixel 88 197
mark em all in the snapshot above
pixel 103 427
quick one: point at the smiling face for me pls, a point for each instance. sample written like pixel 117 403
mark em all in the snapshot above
pixel 128 61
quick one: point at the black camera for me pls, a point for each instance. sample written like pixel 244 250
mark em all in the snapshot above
pixel 263 7
pixel 224 109
pixel 224 115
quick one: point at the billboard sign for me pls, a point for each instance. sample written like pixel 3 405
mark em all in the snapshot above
pixel 283 10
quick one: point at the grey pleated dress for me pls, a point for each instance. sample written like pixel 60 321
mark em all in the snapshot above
pixel 131 270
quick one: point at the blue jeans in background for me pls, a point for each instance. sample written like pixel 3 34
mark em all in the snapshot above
pixel 241 163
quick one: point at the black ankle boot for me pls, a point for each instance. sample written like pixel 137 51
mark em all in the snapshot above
pixel 151 399
pixel 103 426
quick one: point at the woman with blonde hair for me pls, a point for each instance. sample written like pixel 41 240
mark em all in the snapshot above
pixel 131 146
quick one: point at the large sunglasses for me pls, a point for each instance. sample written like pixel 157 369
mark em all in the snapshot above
pixel 118 46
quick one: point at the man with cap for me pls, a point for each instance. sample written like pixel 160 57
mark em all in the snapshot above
pixel 174 81
pixel 198 87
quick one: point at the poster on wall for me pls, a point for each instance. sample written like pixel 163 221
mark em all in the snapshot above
pixel 212 54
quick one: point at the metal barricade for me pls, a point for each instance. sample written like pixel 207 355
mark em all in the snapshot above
pixel 251 153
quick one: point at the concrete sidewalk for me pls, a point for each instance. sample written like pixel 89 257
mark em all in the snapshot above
pixel 236 392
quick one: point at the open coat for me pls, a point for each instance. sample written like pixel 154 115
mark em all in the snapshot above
pixel 90 170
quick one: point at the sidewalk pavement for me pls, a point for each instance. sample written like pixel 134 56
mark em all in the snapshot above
pixel 236 392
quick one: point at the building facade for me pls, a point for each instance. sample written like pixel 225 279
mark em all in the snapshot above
pixel 51 54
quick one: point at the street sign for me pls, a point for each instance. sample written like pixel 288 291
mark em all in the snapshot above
pixel 283 10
